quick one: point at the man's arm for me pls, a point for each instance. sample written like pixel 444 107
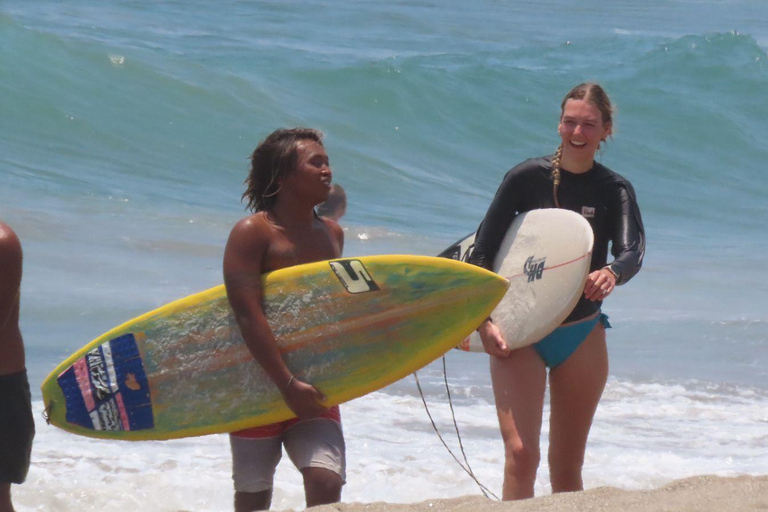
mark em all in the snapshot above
pixel 243 263
pixel 10 275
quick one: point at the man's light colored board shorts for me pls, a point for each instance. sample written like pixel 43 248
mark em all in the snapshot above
pixel 316 443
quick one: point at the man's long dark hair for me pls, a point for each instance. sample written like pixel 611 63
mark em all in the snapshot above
pixel 270 161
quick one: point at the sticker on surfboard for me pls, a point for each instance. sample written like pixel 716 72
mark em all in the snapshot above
pixel 354 276
pixel 534 269
pixel 107 388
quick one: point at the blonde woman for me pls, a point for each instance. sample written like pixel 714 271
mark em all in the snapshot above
pixel 575 353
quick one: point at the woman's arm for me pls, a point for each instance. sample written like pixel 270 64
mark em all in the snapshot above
pixel 497 220
pixel 628 237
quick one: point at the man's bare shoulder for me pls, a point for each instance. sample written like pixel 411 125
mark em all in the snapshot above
pixel 252 229
pixel 334 228
pixel 246 249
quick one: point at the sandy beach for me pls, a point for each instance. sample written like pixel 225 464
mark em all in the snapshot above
pixel 696 494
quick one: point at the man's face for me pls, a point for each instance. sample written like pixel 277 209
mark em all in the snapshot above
pixel 312 176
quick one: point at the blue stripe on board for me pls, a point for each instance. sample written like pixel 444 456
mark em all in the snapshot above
pixel 77 413
pixel 132 382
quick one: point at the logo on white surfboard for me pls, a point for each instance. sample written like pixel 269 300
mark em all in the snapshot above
pixel 354 276
pixel 534 269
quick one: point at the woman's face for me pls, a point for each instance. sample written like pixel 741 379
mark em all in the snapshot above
pixel 581 129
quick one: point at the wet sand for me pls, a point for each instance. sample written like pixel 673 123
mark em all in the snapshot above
pixel 696 494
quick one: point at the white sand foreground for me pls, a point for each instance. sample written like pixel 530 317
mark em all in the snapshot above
pixel 696 494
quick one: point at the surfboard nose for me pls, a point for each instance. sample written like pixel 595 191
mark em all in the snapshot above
pixel 475 284
pixel 473 293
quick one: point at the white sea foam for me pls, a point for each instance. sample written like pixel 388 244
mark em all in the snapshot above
pixel 645 434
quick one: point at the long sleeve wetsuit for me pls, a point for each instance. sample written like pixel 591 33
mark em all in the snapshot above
pixel 605 199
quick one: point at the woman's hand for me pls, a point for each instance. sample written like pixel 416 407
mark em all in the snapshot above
pixel 493 341
pixel 600 284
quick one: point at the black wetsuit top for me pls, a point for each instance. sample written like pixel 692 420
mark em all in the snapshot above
pixel 605 199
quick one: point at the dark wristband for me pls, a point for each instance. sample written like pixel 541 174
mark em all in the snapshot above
pixel 609 268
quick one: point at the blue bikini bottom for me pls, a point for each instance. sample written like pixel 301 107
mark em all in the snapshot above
pixel 558 346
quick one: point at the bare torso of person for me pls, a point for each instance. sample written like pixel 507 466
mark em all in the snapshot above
pixel 289 246
pixel 11 344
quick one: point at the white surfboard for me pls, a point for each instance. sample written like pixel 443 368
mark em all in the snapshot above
pixel 545 255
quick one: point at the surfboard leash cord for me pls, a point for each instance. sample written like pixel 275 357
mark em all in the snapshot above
pixel 47 412
pixel 468 469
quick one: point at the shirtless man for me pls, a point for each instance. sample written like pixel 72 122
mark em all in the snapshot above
pixel 290 174
pixel 17 427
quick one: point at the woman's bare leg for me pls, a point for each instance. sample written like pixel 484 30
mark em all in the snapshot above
pixel 519 382
pixel 575 389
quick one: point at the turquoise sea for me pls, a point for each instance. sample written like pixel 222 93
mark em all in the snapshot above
pixel 125 129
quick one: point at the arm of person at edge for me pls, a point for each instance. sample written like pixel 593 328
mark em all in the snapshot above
pixel 10 277
pixel 627 247
pixel 243 263
pixel 497 220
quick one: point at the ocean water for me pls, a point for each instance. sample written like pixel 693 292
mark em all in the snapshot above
pixel 125 129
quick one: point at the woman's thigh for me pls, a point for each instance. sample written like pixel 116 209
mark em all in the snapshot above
pixel 519 383
pixel 575 390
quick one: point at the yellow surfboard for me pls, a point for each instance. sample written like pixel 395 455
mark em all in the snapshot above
pixel 348 326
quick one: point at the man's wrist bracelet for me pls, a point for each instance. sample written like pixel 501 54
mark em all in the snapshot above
pixel 290 381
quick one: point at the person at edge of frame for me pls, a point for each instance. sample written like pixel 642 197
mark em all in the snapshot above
pixel 336 205
pixel 17 427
